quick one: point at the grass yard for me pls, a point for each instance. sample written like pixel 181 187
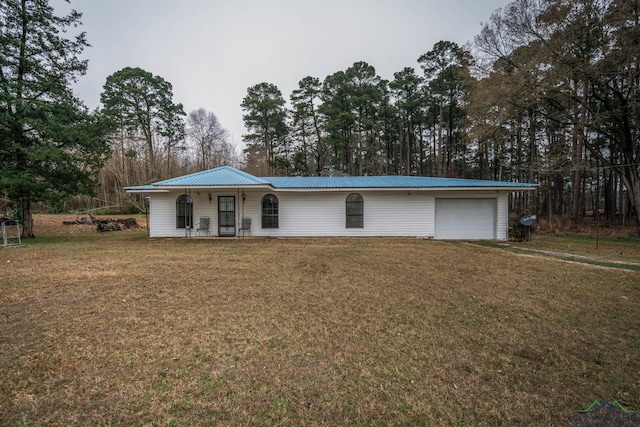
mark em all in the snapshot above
pixel 118 329
pixel 613 249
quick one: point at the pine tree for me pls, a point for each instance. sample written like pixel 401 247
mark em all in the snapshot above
pixel 51 147
pixel 265 119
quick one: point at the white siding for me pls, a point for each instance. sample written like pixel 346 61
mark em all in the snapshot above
pixel 323 214
pixel 502 220
pixel 408 213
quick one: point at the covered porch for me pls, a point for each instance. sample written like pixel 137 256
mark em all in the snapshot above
pixel 208 213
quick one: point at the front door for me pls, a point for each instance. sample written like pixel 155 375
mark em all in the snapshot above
pixel 226 216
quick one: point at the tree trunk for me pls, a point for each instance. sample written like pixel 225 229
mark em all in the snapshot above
pixel 421 151
pixel 440 153
pixel 408 139
pixel 632 182
pixel 533 161
pixel 449 165
pixel 637 207
pixel 576 181
pixel 151 163
pixel 27 219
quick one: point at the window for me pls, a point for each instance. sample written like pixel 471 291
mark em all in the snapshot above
pixel 355 211
pixel 184 212
pixel 269 211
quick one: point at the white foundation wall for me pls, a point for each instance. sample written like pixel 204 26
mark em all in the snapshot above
pixel 321 213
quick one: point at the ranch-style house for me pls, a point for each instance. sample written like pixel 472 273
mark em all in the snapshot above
pixel 227 202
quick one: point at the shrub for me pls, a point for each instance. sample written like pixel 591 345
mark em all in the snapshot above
pixel 519 232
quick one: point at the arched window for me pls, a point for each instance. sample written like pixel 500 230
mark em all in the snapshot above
pixel 355 211
pixel 184 212
pixel 269 211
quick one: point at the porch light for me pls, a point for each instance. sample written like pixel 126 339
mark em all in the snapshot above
pixel 209 198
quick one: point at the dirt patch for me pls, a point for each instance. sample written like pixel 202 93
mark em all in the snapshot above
pixel 53 225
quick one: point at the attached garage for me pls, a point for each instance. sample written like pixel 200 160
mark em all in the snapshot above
pixel 468 219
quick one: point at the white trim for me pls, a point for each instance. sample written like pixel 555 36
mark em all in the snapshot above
pixel 211 188
pixel 165 189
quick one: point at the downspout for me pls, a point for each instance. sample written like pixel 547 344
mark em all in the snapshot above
pixel 242 220
pixel 190 217
pixel 147 201
pixel 188 223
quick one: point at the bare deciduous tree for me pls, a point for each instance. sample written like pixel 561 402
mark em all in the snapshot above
pixel 209 139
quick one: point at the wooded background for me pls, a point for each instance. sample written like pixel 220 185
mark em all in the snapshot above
pixel 546 93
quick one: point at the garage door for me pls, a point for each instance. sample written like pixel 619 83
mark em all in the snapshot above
pixel 465 219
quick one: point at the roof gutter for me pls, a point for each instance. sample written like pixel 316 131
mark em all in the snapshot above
pixel 144 190
pixel 405 189
pixel 167 189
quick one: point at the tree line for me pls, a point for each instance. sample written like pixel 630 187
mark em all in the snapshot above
pixel 53 149
pixel 153 138
pixel 545 93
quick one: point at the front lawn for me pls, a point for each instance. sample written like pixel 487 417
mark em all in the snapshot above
pixel 118 329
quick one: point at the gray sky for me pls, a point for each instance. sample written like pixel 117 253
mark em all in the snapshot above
pixel 211 51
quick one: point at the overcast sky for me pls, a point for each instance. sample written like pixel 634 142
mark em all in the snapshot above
pixel 211 51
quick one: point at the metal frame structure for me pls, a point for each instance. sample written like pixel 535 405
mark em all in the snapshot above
pixel 5 233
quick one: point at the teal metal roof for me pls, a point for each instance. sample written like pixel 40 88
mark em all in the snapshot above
pixel 222 176
pixel 226 176
pixel 383 182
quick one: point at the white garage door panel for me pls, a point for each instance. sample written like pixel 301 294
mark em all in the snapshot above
pixel 465 219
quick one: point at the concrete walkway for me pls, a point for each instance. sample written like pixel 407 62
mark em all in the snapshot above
pixel 581 259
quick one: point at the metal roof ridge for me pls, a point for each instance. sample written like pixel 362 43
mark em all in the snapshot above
pixel 227 168
pixel 244 174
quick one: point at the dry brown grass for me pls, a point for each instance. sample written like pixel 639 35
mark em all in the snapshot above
pixel 117 329
pixel 618 249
